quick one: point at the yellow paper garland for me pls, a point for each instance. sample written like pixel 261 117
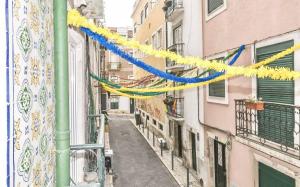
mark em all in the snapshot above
pixel 75 19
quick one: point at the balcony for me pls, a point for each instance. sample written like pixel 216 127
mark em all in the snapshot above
pixel 114 66
pixel 175 8
pixel 93 154
pixel 178 49
pixel 276 126
pixel 175 107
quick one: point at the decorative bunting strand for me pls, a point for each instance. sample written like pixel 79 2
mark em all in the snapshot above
pixel 114 86
pixel 115 49
pixel 107 82
pixel 109 89
pixel 75 19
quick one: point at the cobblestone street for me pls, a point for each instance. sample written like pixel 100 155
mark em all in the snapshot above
pixel 134 162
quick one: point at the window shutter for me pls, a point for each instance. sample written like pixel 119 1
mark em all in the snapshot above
pixel 271 177
pixel 276 123
pixel 216 89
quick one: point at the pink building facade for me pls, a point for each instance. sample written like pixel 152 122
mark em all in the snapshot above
pixel 245 147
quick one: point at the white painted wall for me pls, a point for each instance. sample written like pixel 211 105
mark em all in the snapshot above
pixel 193 46
pixel 124 104
pixel 77 102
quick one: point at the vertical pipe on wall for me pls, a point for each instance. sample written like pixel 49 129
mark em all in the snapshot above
pixel 61 93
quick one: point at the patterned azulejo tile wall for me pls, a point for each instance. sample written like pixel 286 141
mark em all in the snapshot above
pixel 34 101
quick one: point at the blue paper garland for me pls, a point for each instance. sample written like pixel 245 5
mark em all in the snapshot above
pixel 115 49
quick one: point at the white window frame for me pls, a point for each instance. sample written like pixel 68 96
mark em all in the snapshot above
pixel 159 39
pixel 146 10
pixel 142 16
pixel 217 11
pixel 275 40
pixel 112 78
pixel 155 35
pixel 131 77
pixel 213 99
pixel 153 40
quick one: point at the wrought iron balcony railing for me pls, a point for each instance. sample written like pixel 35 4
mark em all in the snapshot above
pixel 174 5
pixel 175 106
pixel 276 125
pixel 178 49
pixel 94 158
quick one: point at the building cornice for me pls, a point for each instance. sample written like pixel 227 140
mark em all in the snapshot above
pixel 135 6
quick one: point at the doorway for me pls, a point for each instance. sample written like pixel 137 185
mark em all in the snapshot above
pixel 194 156
pixel 179 136
pixel 220 164
pixel 132 106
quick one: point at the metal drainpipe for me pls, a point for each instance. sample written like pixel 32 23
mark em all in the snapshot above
pixel 198 89
pixel 62 136
pixel 166 44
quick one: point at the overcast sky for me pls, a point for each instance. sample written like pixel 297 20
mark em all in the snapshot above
pixel 118 12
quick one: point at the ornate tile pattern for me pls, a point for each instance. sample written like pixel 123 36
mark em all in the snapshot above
pixel 34 111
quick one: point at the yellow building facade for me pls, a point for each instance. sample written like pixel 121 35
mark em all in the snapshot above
pixel 149 28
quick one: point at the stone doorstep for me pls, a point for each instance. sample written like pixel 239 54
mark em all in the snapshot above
pixel 108 181
pixel 175 175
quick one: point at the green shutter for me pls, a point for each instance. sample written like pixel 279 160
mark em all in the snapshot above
pixel 276 122
pixel 213 5
pixel 271 177
pixel 216 89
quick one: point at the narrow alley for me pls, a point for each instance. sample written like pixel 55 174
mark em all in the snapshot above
pixel 150 93
pixel 134 162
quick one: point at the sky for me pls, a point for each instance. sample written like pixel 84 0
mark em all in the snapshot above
pixel 118 12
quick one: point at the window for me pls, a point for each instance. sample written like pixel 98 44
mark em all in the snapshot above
pixel 213 5
pixel 170 128
pixel 114 103
pixel 114 79
pixel 154 40
pixel 134 28
pixel 143 114
pixel 147 117
pixel 131 77
pixel 159 39
pixel 276 91
pixel 154 122
pixel 123 31
pixel 146 10
pixel 153 3
pixel 216 89
pixel 161 127
pixel 115 65
pixel 142 17
pixel 177 35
